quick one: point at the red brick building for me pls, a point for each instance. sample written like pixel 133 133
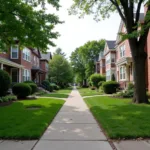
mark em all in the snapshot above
pixel 22 65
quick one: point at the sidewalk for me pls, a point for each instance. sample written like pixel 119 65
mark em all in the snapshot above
pixel 74 128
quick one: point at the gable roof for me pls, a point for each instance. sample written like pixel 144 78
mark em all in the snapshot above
pixel 111 44
pixel 46 56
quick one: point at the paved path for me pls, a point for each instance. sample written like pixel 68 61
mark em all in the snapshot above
pixel 74 128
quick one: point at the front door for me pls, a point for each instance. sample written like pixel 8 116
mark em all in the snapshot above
pixel 14 75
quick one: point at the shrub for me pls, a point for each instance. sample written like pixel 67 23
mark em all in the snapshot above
pixel 130 86
pixel 95 79
pixel 113 77
pixel 148 94
pixel 8 98
pixel 5 82
pixel 33 87
pixel 126 94
pixel 110 87
pixel 100 83
pixel 47 86
pixel 22 90
pixel 28 82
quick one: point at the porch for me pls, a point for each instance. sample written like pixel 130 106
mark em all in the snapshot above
pixel 14 69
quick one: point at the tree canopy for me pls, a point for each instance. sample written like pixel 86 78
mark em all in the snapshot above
pixel 59 51
pixel 82 59
pixel 60 70
pixel 26 21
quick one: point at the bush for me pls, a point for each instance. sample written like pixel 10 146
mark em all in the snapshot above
pixel 110 87
pixel 5 82
pixel 95 79
pixel 92 88
pixel 126 94
pixel 33 87
pixel 8 98
pixel 29 82
pixel 130 86
pixel 47 86
pixel 100 83
pixel 21 90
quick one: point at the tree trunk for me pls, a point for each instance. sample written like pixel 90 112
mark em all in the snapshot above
pixel 140 80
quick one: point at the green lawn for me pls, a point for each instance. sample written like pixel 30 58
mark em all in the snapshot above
pixel 88 92
pixel 58 95
pixel 18 122
pixel 119 118
pixel 62 93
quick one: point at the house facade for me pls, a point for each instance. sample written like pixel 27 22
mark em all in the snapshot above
pixel 22 65
pixel 110 60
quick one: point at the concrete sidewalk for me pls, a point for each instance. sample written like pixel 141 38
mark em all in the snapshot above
pixel 73 128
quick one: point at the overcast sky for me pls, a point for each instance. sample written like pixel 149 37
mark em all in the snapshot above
pixel 75 32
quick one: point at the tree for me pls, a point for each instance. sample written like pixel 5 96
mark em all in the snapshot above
pixel 59 51
pixel 60 70
pixel 78 66
pixel 26 21
pixel 137 32
pixel 95 79
pixel 89 51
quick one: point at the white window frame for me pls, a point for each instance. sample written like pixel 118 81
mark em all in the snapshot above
pixel 16 51
pixel 122 50
pixel 26 75
pixel 108 77
pixel 113 57
pixel 122 73
pixel 27 54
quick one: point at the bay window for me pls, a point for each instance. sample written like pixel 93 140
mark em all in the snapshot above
pixel 108 75
pixel 108 59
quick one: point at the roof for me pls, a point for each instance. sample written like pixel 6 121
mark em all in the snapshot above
pixel 111 44
pixel 10 63
pixel 46 56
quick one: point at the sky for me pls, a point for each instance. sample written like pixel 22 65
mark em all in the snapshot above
pixel 76 32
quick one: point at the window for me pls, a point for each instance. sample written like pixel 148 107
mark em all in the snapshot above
pixel 113 58
pixel 47 66
pixel 122 51
pixel 14 75
pixel 122 73
pixel 38 62
pixel 108 59
pixel 26 54
pixel 14 52
pixel 26 75
pixel 108 76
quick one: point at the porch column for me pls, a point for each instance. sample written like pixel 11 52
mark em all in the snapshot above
pixel 2 66
pixel 20 79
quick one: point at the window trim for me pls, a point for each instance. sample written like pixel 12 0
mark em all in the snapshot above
pixel 25 53
pixel 123 74
pixel 121 52
pixel 17 52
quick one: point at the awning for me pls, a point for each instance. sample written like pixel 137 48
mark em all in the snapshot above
pixel 37 70
pixel 10 63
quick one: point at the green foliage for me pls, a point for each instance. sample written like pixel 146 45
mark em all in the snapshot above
pixel 28 22
pixel 47 86
pixel 130 86
pixel 59 51
pixel 8 98
pixel 110 87
pixel 21 90
pixel 113 77
pixel 82 59
pixel 61 71
pixel 5 82
pixel 33 87
pixel 126 94
pixel 95 79
pixel 28 82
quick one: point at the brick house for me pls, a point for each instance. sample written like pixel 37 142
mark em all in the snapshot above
pixel 22 65
pixel 110 59
pixel 124 64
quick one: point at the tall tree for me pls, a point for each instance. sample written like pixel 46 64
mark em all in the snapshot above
pixel 60 70
pixel 89 51
pixel 26 21
pixel 59 51
pixel 78 66
pixel 129 11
